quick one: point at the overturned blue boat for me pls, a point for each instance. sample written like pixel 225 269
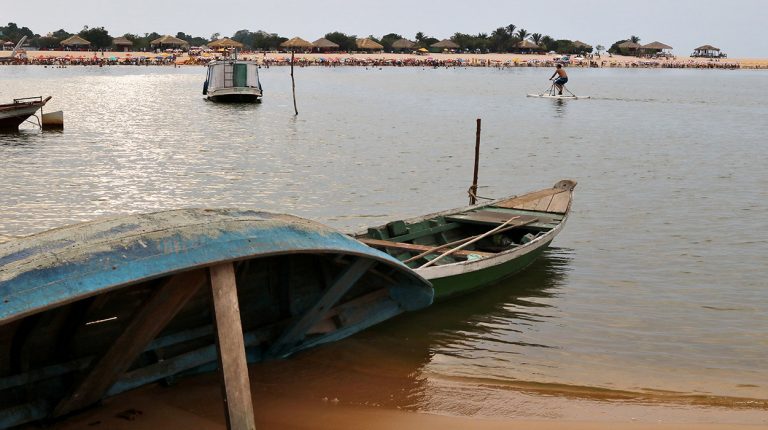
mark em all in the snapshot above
pixel 95 309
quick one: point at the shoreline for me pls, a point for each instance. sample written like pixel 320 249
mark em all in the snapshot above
pixel 58 58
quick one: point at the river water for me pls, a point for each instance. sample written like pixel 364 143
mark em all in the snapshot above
pixel 657 289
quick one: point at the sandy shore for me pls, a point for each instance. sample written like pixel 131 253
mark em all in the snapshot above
pixel 605 60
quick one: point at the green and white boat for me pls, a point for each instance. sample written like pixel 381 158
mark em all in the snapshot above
pixel 461 250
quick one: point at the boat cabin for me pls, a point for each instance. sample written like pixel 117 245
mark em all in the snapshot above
pixel 233 81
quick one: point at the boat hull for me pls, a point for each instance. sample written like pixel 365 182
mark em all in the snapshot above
pixel 14 114
pixel 98 308
pixel 235 95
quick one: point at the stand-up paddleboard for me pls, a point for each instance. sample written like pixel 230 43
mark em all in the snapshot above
pixel 557 96
pixel 552 93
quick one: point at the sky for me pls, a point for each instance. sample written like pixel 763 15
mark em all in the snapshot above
pixel 735 26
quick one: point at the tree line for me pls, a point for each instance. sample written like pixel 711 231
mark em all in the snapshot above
pixel 502 39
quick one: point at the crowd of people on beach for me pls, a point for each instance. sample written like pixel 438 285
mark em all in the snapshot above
pixel 144 59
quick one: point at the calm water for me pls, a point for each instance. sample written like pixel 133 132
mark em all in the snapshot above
pixel 656 290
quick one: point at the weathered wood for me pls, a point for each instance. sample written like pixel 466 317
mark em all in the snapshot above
pixel 522 202
pixel 543 203
pixel 144 326
pixel 489 217
pixel 427 232
pixel 560 202
pixel 473 188
pixel 454 250
pixel 377 243
pixel 341 285
pixel 233 367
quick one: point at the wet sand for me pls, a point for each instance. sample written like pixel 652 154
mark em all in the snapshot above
pixel 195 403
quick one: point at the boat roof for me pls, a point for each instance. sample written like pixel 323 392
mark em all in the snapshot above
pixel 230 61
pixel 66 264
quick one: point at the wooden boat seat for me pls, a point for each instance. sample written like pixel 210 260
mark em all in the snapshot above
pixel 488 217
pixel 377 243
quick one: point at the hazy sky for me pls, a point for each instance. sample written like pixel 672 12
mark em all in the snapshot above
pixel 735 26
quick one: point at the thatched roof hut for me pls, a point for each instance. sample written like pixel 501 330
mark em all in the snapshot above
pixel 656 46
pixel 403 44
pixel 323 44
pixel 580 44
pixel 169 42
pixel 368 45
pixel 225 43
pixel 297 43
pixel 445 44
pixel 708 51
pixel 629 45
pixel 121 41
pixel 75 41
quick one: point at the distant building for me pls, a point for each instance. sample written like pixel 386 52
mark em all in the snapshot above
pixel 708 51
pixel 122 44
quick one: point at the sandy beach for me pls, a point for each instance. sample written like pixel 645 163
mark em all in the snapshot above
pixel 492 59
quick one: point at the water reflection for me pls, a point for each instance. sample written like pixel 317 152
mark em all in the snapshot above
pixel 395 364
pixel 559 105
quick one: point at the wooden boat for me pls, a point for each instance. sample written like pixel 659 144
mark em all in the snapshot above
pixel 464 249
pixel 94 309
pixel 13 114
pixel 233 80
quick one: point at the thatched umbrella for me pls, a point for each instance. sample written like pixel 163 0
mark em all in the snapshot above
pixel 368 45
pixel 75 41
pixel 706 51
pixel 629 45
pixel 225 43
pixel 293 45
pixel 168 40
pixel 323 43
pixel 403 44
pixel 445 44
pixel 527 44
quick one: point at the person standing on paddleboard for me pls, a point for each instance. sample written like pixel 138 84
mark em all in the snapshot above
pixel 561 80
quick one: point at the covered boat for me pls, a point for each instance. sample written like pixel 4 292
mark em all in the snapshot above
pixel 233 80
pixel 13 114
pixel 464 249
pixel 95 309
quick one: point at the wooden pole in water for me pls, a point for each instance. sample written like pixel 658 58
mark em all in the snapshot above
pixel 473 188
pixel 230 344
pixel 293 84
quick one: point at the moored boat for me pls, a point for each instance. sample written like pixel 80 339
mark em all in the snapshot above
pixel 95 309
pixel 13 114
pixel 461 250
pixel 233 80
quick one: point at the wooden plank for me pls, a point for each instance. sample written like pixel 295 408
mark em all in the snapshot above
pixel 489 217
pixel 297 330
pixel 144 326
pixel 560 203
pixel 544 202
pixel 376 243
pixel 230 345
pixel 519 202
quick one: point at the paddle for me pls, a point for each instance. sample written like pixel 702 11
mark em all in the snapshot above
pixel 451 251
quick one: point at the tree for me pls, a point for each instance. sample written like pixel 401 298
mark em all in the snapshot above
pixel 13 33
pixel 522 34
pixel 215 36
pixel 536 38
pixel 420 37
pixel 98 36
pixel 511 29
pixel 388 39
pixel 634 39
pixel 599 49
pixel 346 43
pixel 499 40
pixel 548 43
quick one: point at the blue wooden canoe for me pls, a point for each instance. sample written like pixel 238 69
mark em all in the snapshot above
pixel 94 309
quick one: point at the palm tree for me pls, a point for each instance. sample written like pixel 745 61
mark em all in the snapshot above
pixel 420 36
pixel 511 29
pixel 634 39
pixel 522 34
pixel 536 38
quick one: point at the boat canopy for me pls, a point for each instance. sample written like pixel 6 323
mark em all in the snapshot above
pixel 233 73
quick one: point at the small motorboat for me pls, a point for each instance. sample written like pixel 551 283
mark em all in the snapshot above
pixel 13 114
